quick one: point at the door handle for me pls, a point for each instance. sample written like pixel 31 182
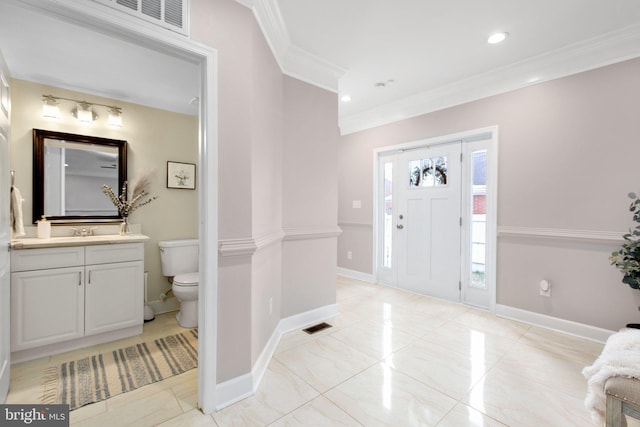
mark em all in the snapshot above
pixel 399 226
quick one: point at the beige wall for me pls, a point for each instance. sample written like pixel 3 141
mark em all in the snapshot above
pixel 567 159
pixel 153 137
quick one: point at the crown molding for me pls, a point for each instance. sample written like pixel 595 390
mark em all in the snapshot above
pixel 613 47
pixel 293 61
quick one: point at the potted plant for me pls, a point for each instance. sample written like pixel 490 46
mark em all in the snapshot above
pixel 627 258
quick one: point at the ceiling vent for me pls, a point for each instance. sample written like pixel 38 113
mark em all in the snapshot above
pixel 170 14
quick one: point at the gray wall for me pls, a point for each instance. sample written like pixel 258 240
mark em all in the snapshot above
pixel 272 129
pixel 311 138
pixel 568 156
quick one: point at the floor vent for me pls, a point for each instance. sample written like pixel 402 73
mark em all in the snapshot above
pixel 317 328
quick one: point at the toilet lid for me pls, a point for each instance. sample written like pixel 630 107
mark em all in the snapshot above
pixel 186 279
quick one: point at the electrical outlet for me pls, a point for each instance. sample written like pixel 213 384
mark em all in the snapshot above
pixel 349 255
pixel 545 288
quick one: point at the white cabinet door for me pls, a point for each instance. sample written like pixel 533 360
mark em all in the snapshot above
pixel 48 306
pixel 113 296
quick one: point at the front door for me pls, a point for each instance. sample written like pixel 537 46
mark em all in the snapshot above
pixel 5 232
pixel 427 220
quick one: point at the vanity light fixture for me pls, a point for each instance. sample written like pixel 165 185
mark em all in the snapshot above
pixel 84 113
pixel 115 116
pixel 50 107
pixel 83 110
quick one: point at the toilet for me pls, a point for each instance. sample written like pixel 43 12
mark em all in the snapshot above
pixel 179 259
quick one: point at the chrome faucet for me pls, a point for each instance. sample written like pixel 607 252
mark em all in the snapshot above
pixel 83 232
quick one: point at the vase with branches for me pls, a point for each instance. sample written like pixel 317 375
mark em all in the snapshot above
pixel 130 198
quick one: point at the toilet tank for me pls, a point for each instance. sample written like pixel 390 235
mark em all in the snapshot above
pixel 179 256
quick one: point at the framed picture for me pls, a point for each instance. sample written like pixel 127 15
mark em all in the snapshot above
pixel 181 175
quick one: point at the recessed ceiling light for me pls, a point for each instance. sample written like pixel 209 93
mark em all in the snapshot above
pixel 345 98
pixel 497 38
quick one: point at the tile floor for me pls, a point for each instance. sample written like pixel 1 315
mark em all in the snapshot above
pixel 391 358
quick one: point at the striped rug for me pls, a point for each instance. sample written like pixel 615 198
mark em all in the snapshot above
pixel 95 378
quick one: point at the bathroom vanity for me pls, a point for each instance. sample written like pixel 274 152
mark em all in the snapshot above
pixel 72 292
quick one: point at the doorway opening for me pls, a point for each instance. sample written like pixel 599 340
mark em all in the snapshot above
pixel 205 59
pixel 435 216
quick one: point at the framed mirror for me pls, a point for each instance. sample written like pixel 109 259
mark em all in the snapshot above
pixel 68 173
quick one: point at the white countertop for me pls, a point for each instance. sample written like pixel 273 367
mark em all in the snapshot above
pixel 53 242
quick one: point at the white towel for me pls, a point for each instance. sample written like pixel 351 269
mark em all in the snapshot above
pixel 16 212
pixel 619 358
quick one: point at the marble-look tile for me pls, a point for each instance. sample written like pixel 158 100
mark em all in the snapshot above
pixel 320 412
pixel 280 392
pixel 465 416
pixel 87 411
pixel 185 389
pixel 445 310
pixel 517 401
pixel 192 418
pixel 447 371
pixel 298 337
pixel 562 370
pixel 152 409
pixel 375 339
pixel 382 396
pixel 411 321
pixel 488 322
pixel 325 362
pixel 473 343
pixel 556 343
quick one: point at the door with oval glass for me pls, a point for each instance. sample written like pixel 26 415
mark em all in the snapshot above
pixel 428 220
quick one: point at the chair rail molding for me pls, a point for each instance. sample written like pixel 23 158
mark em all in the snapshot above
pixel 237 247
pixel 582 236
pixel 311 233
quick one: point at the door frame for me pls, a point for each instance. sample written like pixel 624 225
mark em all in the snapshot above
pixel 489 133
pixel 100 18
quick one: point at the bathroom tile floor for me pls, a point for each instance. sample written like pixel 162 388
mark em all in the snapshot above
pixel 391 358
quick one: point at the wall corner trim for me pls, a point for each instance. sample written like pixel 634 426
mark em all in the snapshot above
pixel 554 323
pixel 269 239
pixel 243 386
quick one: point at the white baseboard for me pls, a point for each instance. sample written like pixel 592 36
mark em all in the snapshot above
pixel 159 306
pixel 307 318
pixel 261 365
pixel 357 275
pixel 236 389
pixel 554 323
